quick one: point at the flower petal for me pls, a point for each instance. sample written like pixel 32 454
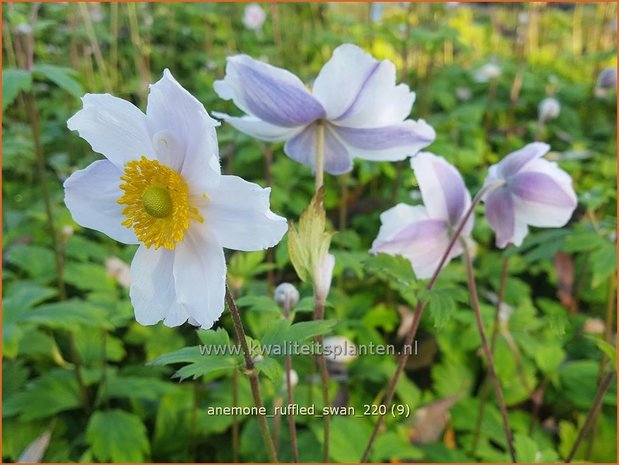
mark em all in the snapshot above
pixel 388 143
pixel 501 215
pixel 257 128
pixel 91 195
pixel 174 111
pixel 408 231
pixel 152 291
pixel 358 91
pixel 269 93
pixel 442 187
pixel 200 276
pixel 539 187
pixel 515 161
pixel 302 148
pixel 239 215
pixel 113 127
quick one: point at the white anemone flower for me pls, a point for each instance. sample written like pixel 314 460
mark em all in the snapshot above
pixel 534 192
pixel 161 186
pixel 422 233
pixel 355 100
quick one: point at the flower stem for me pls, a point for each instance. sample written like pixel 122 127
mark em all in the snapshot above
pixel 597 404
pixel 483 395
pixel 288 367
pixel 319 313
pixel 410 336
pixel 320 154
pixel 235 418
pixel 488 352
pixel 252 374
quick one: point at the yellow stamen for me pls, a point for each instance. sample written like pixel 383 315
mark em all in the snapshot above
pixel 156 200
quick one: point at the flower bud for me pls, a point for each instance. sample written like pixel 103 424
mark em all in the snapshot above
pixel 254 16
pixel 594 326
pixel 294 378
pixel 488 72
pixel 549 108
pixel 286 296
pixel 118 270
pixel 323 276
pixel 339 349
pixel 607 79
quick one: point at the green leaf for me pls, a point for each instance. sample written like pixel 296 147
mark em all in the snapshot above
pixel 526 448
pixel 34 260
pixel 549 357
pixel 14 81
pixel 441 303
pixel 258 303
pixel 201 362
pixel 69 315
pixel 271 369
pixel 348 438
pixel 135 387
pixel 609 349
pixel 281 331
pixel 392 447
pixel 62 77
pixel 117 436
pixel 89 277
pixel 53 392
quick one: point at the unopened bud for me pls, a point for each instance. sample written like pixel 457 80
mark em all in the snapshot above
pixel 549 108
pixel 323 276
pixel 339 349
pixel 594 326
pixel 294 379
pixel 607 79
pixel 286 296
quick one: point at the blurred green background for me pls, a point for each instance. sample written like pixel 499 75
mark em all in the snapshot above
pixel 77 383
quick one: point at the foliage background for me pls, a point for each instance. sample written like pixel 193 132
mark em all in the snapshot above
pixel 561 284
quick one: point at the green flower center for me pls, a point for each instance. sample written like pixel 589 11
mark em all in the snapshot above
pixel 157 202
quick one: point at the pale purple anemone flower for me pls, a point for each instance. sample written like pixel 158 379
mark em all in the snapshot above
pixel 536 192
pixel 355 97
pixel 422 233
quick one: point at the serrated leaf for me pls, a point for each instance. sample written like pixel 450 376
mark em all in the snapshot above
pixel 441 303
pixel 14 81
pixel 258 303
pixel 62 77
pixel 53 392
pixel 117 436
pixel 213 358
pixel 281 331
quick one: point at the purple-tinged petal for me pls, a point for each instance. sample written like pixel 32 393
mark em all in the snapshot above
pixel 257 128
pixel 442 187
pixel 358 91
pixel 269 93
pixel 539 187
pixel 408 231
pixel 388 143
pixel 302 148
pixel 501 215
pixel 516 161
